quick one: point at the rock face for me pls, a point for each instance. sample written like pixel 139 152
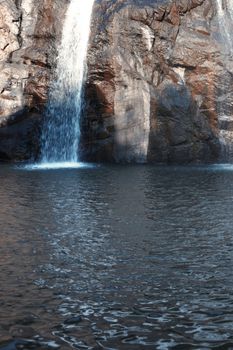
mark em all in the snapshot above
pixel 156 82
pixel 29 31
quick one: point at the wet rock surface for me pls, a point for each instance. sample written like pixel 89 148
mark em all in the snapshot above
pixel 155 84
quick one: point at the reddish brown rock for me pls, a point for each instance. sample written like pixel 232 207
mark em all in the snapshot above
pixel 162 64
pixel 28 40
pixel 157 79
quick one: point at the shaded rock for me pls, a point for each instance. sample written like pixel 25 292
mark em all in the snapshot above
pixel 29 32
pixel 19 137
pixel 160 72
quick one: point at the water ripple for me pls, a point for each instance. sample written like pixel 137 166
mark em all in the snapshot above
pixel 116 258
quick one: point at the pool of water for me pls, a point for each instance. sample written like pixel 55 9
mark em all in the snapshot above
pixel 116 257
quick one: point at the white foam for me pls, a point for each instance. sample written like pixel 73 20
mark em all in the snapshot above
pixel 222 166
pixel 211 167
pixel 58 165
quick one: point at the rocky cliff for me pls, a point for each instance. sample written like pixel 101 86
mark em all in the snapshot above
pixel 157 79
pixel 154 82
pixel 29 33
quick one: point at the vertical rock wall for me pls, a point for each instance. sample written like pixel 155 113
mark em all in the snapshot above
pixel 154 70
pixel 29 32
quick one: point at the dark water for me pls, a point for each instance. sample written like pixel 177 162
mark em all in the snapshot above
pixel 116 258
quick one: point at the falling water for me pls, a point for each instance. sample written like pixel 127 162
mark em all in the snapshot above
pixel 225 17
pixel 61 131
pixel 225 107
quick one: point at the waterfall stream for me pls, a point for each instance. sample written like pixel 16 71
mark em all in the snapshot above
pixel 61 130
pixel 225 18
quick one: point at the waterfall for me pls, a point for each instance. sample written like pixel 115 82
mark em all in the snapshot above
pixel 61 129
pixel 225 18
pixel 225 106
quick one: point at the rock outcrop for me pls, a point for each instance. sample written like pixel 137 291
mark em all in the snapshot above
pixel 156 80
pixel 29 32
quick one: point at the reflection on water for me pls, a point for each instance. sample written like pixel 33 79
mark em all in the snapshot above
pixel 113 257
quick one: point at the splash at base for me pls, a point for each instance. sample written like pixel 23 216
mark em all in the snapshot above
pixel 58 165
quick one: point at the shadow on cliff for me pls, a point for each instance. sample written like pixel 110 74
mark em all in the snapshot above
pixel 178 133
pixel 19 136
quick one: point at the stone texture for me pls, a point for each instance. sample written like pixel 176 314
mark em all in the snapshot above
pixel 157 79
pixel 154 70
pixel 29 32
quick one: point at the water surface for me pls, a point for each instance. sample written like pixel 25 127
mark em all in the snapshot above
pixel 113 257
